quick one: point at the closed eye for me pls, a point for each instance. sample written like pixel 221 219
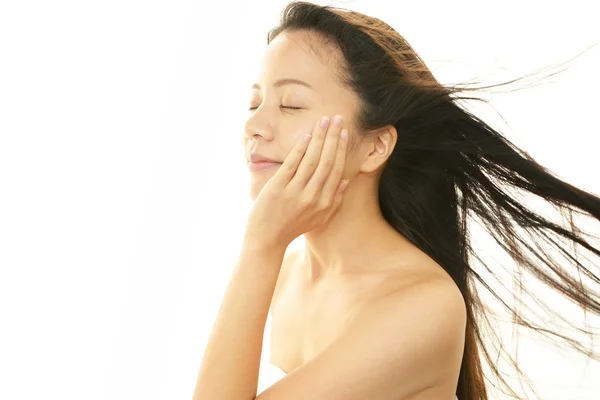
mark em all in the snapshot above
pixel 291 108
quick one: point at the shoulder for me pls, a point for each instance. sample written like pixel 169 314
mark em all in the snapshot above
pixel 399 344
pixel 432 296
pixel 418 332
pixel 423 323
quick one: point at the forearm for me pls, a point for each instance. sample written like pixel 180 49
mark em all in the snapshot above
pixel 230 366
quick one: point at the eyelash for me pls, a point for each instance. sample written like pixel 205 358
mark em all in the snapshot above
pixel 291 108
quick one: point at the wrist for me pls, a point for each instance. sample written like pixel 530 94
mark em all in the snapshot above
pixel 262 256
pixel 251 245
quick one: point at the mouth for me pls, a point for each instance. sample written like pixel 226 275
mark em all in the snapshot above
pixel 262 165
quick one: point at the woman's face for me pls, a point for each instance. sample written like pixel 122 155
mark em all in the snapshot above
pixel 272 129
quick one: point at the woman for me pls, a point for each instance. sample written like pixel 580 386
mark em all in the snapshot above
pixel 381 304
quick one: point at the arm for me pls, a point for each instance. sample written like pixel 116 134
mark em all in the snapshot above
pixel 301 196
pixel 289 261
pixel 230 366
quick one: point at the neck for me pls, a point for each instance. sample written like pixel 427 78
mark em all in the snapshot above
pixel 350 239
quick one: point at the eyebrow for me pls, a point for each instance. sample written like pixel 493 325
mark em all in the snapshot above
pixel 286 81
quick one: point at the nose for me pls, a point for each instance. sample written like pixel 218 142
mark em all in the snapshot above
pixel 259 124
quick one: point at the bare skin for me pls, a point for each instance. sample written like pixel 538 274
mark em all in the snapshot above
pixel 308 316
pixel 360 313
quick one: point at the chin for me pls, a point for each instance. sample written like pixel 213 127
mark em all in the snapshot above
pixel 258 180
pixel 256 186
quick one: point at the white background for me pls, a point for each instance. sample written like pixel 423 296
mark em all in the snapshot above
pixel 123 187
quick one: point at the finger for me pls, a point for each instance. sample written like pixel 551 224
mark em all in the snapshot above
pixel 328 158
pixel 290 165
pixel 331 186
pixel 310 161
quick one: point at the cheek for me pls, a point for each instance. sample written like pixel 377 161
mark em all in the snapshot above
pixel 290 135
pixel 303 125
pixel 297 133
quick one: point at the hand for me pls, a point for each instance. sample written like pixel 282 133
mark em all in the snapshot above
pixel 305 191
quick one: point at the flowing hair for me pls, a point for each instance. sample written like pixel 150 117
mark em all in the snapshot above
pixel 450 174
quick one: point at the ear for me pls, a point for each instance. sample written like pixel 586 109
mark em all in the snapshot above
pixel 378 150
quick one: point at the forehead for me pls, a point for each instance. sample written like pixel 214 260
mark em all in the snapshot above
pixel 303 55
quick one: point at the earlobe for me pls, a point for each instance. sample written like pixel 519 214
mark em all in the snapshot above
pixel 375 157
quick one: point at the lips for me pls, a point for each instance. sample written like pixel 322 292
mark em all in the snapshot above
pixel 261 165
pixel 256 158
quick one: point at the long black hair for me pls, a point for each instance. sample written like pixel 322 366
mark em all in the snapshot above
pixel 451 173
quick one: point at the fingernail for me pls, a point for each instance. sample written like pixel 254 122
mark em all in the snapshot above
pixel 344 134
pixel 337 120
pixel 324 122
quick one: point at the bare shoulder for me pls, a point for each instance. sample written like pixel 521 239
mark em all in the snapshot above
pixel 419 279
pixel 432 316
pixel 435 301
pixel 429 289
pixel 415 332
pixel 432 293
